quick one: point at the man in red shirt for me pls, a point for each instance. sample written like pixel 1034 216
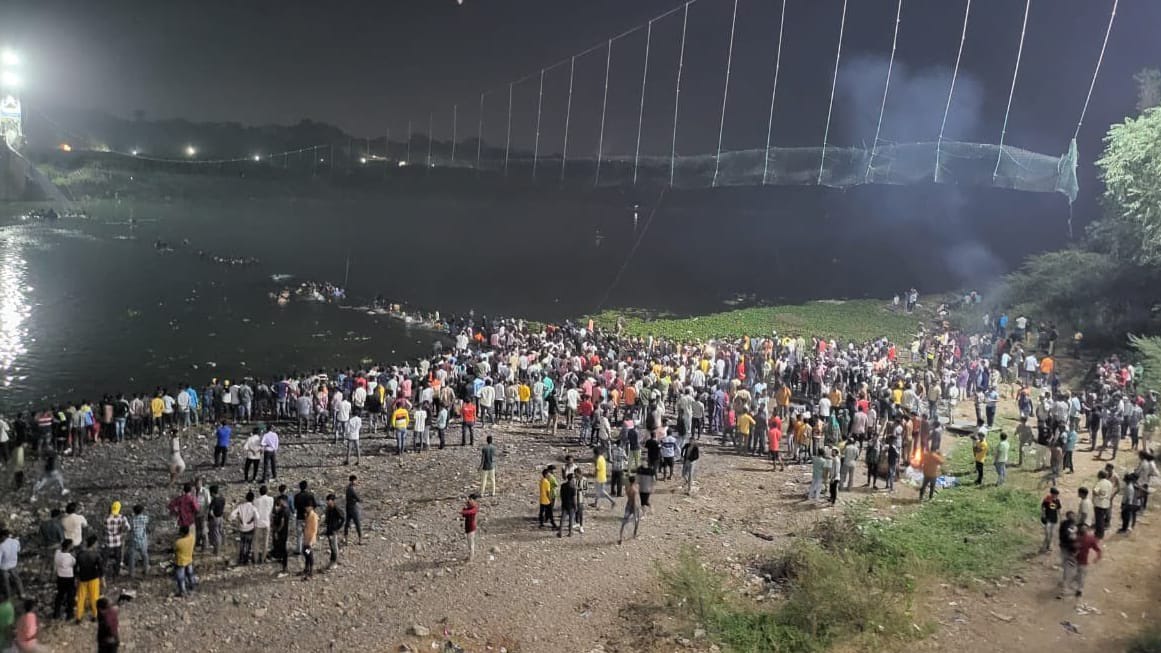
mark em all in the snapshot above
pixel 1086 545
pixel 467 429
pixel 469 513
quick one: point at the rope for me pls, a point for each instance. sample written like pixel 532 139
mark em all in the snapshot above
pixel 887 85
pixel 480 133
pixel 508 137
pixel 567 116
pixel 429 139
pixel 455 130
pixel 633 250
pixel 773 94
pixel 1091 85
pixel 604 105
pixel 954 74
pixel 641 110
pixel 721 124
pixel 834 84
pixel 536 147
pixel 1012 92
pixel 677 94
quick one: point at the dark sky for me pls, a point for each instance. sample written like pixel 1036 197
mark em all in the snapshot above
pixel 372 65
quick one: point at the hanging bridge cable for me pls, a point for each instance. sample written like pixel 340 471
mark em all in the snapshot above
pixel 480 133
pixel 886 87
pixel 604 106
pixel 773 94
pixel 677 95
pixel 633 250
pixel 833 86
pixel 539 104
pixel 430 139
pixel 408 157
pixel 967 10
pixel 455 130
pixel 725 93
pixel 1095 73
pixel 641 109
pixel 508 137
pixel 1012 92
pixel 567 117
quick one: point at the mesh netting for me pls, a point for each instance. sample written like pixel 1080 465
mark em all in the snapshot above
pixel 965 164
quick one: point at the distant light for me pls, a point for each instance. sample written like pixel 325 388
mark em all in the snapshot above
pixel 65 147
pixel 190 150
pixel 9 58
pixel 10 79
pixel 322 160
pixel 257 157
pixel 134 152
pixel 402 163
pixel 362 159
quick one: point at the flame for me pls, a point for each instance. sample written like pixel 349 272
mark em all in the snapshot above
pixel 917 457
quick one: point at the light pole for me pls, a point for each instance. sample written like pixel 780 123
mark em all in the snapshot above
pixel 11 127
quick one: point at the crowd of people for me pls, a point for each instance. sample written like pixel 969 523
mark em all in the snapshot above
pixel 815 401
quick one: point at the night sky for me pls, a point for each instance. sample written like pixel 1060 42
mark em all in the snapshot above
pixel 372 66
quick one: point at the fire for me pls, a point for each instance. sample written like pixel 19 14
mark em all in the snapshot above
pixel 917 458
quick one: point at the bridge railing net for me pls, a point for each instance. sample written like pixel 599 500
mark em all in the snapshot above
pixel 959 163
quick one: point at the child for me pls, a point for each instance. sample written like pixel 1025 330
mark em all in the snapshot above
pixel 469 513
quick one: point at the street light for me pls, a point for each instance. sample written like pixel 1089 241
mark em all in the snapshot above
pixel 9 79
pixel 135 152
pixel 363 159
pixel 191 151
pixel 257 157
pixel 9 57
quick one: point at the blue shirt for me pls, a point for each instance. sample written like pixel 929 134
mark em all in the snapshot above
pixel 224 432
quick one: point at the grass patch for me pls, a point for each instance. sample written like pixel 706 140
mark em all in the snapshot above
pixel 858 320
pixel 852 584
pixel 832 597
pixel 963 533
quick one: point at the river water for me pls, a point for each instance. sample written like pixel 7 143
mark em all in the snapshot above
pixel 90 306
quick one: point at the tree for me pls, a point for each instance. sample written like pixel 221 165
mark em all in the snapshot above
pixel 1148 89
pixel 1130 168
pixel 1149 350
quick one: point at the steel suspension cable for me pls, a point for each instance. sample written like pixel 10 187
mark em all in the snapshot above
pixel 773 94
pixel 604 106
pixel 677 94
pixel 834 84
pixel 725 94
pixel 1012 92
pixel 886 86
pixel 1097 71
pixel 539 103
pixel 641 109
pixel 567 117
pixel 967 10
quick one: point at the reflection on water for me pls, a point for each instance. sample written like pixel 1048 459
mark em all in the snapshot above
pixel 15 308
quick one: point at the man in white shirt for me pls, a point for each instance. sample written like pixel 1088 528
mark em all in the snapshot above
pixel 245 516
pixel 269 455
pixel 73 524
pixel 252 451
pixel 9 557
pixel 342 416
pixel 354 425
pixel 263 506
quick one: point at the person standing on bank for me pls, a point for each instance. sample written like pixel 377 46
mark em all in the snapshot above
pixel 487 467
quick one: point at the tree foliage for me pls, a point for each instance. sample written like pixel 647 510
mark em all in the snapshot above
pixel 1130 168
pixel 1148 89
pixel 1149 350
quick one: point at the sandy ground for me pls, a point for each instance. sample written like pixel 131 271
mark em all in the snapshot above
pixel 529 590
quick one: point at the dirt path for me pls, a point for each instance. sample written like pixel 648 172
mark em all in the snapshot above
pixel 527 591
pixel 1022 613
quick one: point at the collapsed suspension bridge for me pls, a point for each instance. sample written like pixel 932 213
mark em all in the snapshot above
pixel 939 158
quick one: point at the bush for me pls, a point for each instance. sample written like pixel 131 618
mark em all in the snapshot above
pixel 1146 641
